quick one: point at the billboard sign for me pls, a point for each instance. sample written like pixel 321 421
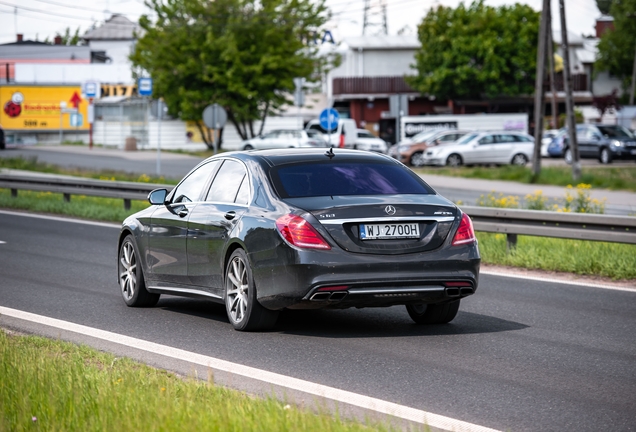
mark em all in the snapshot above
pixel 38 108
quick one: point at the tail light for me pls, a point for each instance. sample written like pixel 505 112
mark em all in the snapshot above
pixel 298 232
pixel 465 233
pixel 342 141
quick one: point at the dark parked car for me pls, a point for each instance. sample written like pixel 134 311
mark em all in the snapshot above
pixel 3 143
pixel 266 230
pixel 602 142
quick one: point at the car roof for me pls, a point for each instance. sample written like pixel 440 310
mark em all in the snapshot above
pixel 274 157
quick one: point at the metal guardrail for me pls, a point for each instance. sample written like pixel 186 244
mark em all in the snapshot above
pixel 512 222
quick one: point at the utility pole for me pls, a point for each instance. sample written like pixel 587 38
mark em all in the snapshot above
pixel 539 93
pixel 555 106
pixel 569 105
pixel 631 93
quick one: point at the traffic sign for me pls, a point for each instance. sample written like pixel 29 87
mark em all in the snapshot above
pixel 144 87
pixel 329 119
pixel 91 89
pixel 214 116
pixel 77 120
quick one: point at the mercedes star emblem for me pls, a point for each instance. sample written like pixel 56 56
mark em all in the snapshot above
pixel 390 210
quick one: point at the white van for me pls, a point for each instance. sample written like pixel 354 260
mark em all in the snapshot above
pixel 344 136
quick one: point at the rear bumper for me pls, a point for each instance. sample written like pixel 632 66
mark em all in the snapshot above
pixel 339 279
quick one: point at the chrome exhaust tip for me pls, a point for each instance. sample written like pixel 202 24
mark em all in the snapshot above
pixel 452 292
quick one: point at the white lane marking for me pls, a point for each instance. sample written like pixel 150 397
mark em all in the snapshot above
pixel 61 219
pixel 557 281
pixel 366 402
pixel 3 242
pixel 487 272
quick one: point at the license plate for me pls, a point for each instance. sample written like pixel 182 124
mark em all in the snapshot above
pixel 389 231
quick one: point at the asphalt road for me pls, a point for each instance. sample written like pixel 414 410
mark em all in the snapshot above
pixel 466 191
pixel 520 356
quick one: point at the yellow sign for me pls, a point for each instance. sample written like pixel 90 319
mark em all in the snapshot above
pixel 39 108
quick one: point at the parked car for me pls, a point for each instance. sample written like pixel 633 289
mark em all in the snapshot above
pixel 476 148
pixel 602 142
pixel 557 146
pixel 344 136
pixel 546 139
pixel 262 231
pixel 367 141
pixel 283 138
pixel 412 153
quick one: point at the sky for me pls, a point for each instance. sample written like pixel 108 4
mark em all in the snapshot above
pixel 39 19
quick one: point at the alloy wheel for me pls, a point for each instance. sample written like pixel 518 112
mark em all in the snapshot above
pixel 454 160
pixel 237 290
pixel 128 270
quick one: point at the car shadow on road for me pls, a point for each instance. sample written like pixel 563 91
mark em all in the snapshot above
pixel 194 307
pixel 382 323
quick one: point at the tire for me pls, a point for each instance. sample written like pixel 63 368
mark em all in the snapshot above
pixel 440 313
pixel 243 309
pixel 417 159
pixel 519 160
pixel 454 160
pixel 131 277
pixel 567 156
pixel 605 156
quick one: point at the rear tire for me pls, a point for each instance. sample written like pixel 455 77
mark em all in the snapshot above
pixel 417 159
pixel 567 156
pixel 605 157
pixel 519 160
pixel 440 313
pixel 454 160
pixel 243 309
pixel 131 277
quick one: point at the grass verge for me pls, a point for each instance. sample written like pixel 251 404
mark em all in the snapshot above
pixel 615 178
pixel 52 385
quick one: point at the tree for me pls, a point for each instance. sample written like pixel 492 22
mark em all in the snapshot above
pixel 617 48
pixel 477 52
pixel 604 6
pixel 68 38
pixel 241 54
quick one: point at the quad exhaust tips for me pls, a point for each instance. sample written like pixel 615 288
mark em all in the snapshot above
pixel 459 291
pixel 329 296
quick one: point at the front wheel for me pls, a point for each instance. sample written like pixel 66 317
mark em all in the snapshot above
pixel 519 159
pixel 440 313
pixel 131 277
pixel 454 160
pixel 568 156
pixel 606 156
pixel 417 159
pixel 243 309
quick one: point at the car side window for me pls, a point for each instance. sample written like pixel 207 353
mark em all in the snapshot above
pixel 190 188
pixel 488 139
pixel 505 138
pixel 227 183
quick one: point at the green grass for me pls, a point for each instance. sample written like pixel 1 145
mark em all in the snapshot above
pixel 611 260
pixel 83 207
pixel 32 164
pixel 57 386
pixel 615 178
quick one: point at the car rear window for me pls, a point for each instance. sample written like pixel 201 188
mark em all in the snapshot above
pixel 346 178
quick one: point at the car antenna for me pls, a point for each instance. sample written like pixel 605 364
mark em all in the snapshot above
pixel 329 153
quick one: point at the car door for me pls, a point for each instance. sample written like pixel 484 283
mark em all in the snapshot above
pixel 167 234
pixel 585 141
pixel 481 151
pixel 211 224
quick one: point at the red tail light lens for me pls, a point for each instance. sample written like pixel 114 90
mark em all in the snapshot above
pixel 298 232
pixel 465 233
pixel 341 144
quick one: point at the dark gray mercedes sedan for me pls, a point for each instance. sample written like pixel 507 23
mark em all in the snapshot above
pixel 261 231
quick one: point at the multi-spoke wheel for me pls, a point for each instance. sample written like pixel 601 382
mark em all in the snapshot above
pixel 605 157
pixel 417 159
pixel 440 313
pixel 243 309
pixel 568 156
pixel 131 277
pixel 454 160
pixel 519 159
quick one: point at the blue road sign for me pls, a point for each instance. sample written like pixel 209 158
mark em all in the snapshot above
pixel 329 119
pixel 77 120
pixel 144 87
pixel 91 89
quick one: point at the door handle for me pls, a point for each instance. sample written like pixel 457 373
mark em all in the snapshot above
pixel 230 215
pixel 183 212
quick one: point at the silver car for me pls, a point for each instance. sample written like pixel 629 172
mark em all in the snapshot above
pixel 283 138
pixel 477 148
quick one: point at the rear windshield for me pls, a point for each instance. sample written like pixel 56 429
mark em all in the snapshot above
pixel 346 178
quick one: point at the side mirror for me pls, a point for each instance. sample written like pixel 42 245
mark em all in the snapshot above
pixel 157 196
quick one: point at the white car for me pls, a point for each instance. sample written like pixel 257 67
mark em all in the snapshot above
pixel 476 148
pixel 367 141
pixel 283 138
